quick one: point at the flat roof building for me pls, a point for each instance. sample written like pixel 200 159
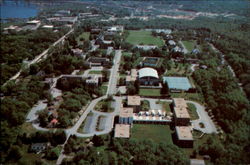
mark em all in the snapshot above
pixel 126 115
pixel 184 137
pixel 134 102
pixel 181 115
pixel 122 131
pixel 146 47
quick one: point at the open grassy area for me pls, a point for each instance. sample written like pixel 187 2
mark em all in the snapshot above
pixel 192 111
pixel 158 133
pixel 104 89
pixel 189 96
pixel 136 37
pixel 95 72
pixel 165 105
pixel 127 54
pixel 104 106
pixel 178 69
pixel 149 92
pixel 28 128
pixel 189 45
pixel 84 35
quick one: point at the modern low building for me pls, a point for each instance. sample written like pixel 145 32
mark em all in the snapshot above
pixel 98 61
pixel 148 77
pixel 93 80
pixel 78 52
pixel 165 31
pixel 122 131
pixel 32 25
pixel 146 47
pixel 177 84
pixel 197 162
pixel 126 115
pixel 181 115
pixel 184 137
pixel 171 43
pixel 134 102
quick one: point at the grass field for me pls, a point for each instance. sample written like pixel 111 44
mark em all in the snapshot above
pixel 158 133
pixel 192 111
pixel 95 72
pixel 165 105
pixel 189 45
pixel 149 92
pixel 136 37
pixel 104 89
pixel 189 96
pixel 178 69
pixel 84 35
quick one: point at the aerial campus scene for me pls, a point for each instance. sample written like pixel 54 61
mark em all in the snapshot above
pixel 115 82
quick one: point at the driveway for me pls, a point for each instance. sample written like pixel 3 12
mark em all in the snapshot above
pixel 36 108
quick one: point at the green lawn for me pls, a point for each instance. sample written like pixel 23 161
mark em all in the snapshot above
pixel 192 111
pixel 104 89
pixel 158 133
pixel 84 35
pixel 127 54
pixel 178 69
pixel 136 37
pixel 165 105
pixel 149 92
pixel 189 96
pixel 189 45
pixel 95 72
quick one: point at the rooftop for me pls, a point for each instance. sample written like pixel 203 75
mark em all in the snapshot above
pixel 184 133
pixel 197 162
pixel 181 112
pixel 180 102
pixel 148 72
pixel 134 100
pixel 180 108
pixel 122 131
pixel 126 112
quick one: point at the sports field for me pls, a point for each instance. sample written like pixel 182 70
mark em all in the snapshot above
pixel 136 37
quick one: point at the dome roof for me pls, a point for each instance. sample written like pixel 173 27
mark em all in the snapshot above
pixel 148 72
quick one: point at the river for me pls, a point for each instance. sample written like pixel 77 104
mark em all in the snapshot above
pixel 18 9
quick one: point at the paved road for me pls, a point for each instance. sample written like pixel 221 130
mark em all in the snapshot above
pixel 114 73
pixel 38 107
pixel 39 57
pixel 203 116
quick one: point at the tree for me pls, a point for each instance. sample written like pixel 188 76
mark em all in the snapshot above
pixel 98 140
pixel 15 153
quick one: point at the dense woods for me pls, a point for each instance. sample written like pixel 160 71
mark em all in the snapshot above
pixel 21 46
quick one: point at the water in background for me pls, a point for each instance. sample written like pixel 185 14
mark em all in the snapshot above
pixel 17 9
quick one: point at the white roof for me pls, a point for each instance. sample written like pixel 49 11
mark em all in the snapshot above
pixel 148 72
